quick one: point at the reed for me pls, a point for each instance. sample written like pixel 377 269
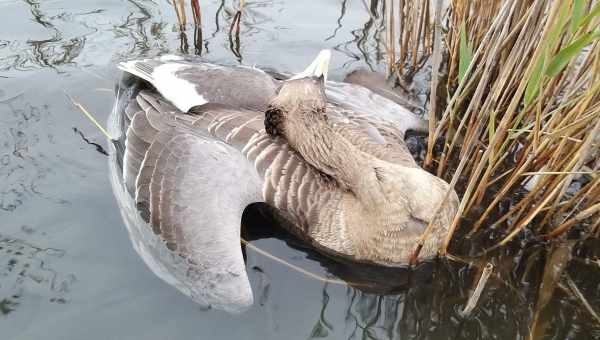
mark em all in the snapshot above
pixel 234 28
pixel 412 20
pixel 523 113
pixel 520 131
pixel 179 7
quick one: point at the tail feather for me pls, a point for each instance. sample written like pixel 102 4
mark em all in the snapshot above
pixel 139 68
pixel 167 74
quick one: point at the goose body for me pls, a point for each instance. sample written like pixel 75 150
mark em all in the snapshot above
pixel 199 142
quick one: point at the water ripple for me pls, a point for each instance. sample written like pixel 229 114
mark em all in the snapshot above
pixel 26 268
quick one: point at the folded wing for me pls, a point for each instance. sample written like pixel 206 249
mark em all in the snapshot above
pixel 183 193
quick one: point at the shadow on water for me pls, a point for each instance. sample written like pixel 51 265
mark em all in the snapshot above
pixel 427 302
pixel 37 138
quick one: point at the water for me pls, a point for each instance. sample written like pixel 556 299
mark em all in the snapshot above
pixel 67 269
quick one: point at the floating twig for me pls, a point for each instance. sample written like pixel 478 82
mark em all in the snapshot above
pixel 294 267
pixel 89 116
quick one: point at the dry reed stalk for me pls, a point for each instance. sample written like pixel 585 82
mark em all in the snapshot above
pixel 178 5
pixel 596 229
pixel 390 35
pixel 516 109
pixel 582 216
pixel 196 12
pixel 436 62
pixel 588 307
pixel 415 44
pixel 592 189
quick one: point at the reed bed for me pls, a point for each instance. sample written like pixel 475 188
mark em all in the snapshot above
pixel 522 122
pixel 519 135
pixel 411 20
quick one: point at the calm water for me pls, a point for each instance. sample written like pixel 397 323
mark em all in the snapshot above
pixel 67 269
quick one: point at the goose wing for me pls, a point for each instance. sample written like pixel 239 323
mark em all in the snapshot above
pixel 188 191
pixel 358 102
pixel 374 119
pixel 187 83
pixel 374 124
pixel 371 118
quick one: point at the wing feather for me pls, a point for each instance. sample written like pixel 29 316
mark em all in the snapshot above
pixel 188 83
pixel 191 189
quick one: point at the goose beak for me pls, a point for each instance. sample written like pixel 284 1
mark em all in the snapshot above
pixel 318 68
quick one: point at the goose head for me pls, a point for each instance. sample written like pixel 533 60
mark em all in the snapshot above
pixel 384 207
pixel 299 103
pixel 301 97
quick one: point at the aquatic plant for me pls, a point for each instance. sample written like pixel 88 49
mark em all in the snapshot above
pixel 519 134
pixel 234 28
pixel 179 6
pixel 521 128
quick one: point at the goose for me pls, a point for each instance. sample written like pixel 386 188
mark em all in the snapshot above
pixel 197 142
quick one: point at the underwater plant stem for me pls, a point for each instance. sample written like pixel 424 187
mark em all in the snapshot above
pixel 582 298
pixel 472 302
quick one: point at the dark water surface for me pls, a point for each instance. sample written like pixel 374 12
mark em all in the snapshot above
pixel 67 269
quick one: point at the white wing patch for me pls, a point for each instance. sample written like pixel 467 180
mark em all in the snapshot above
pixel 130 67
pixel 180 92
pixel 170 57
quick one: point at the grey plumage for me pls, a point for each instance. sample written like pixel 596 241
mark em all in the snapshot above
pixel 186 176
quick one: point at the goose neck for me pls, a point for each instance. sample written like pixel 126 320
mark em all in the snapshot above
pixel 331 153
